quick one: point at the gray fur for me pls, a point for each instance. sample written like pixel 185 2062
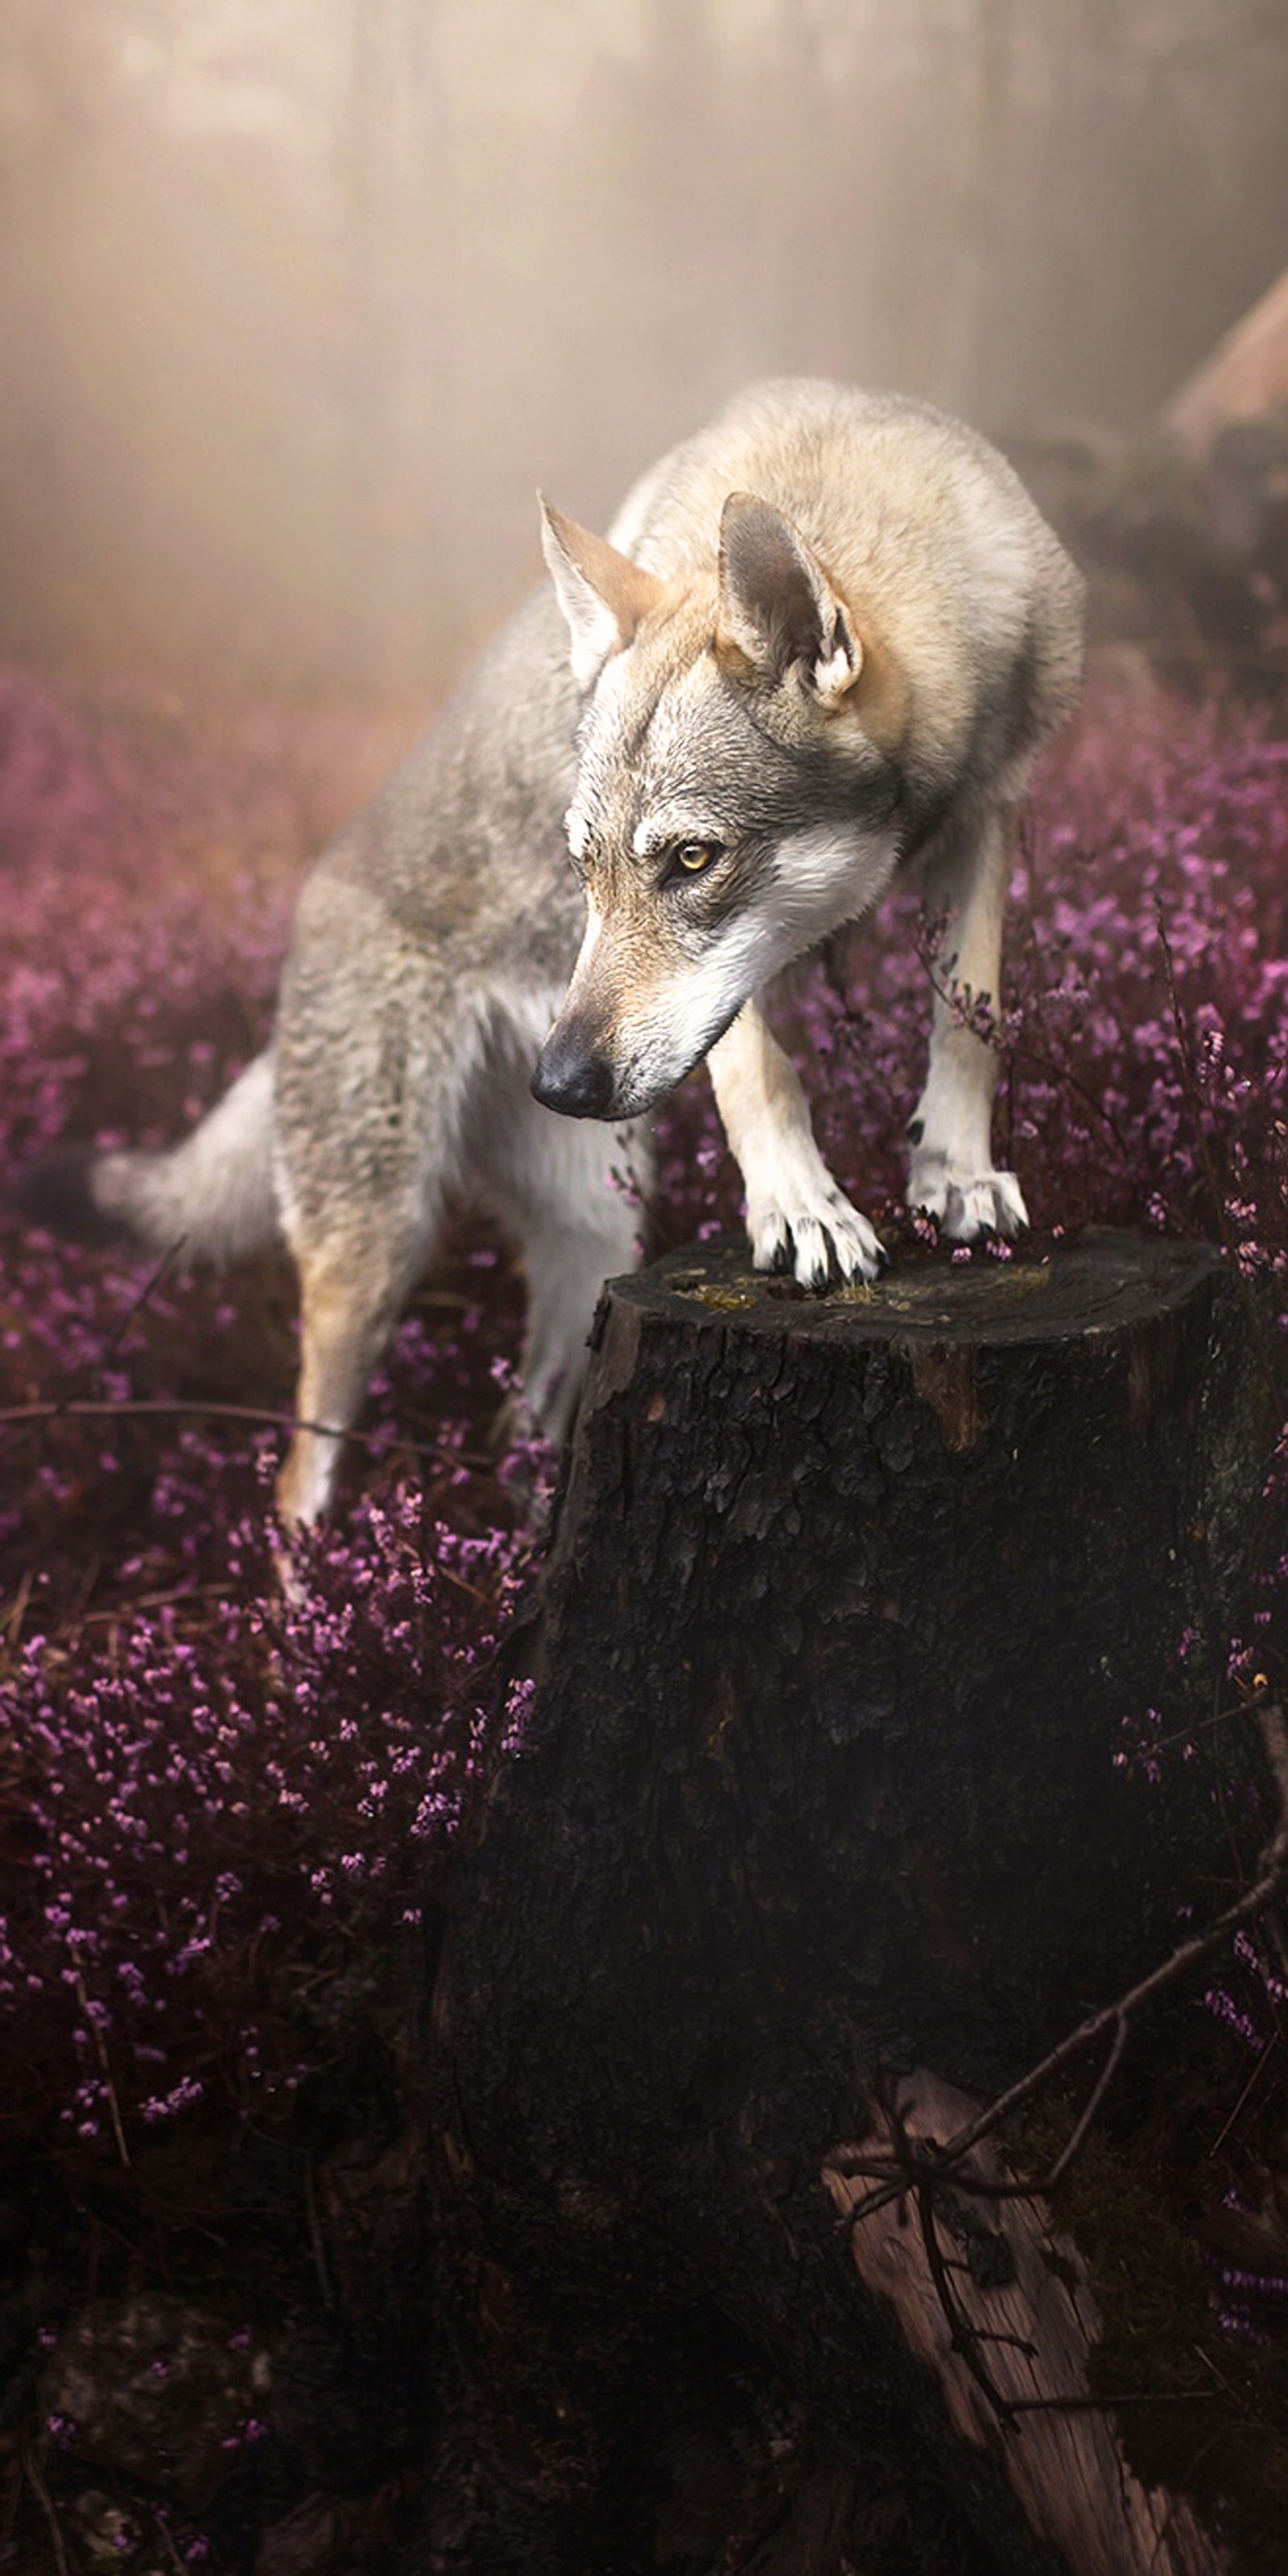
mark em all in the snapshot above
pixel 211 1198
pixel 857 677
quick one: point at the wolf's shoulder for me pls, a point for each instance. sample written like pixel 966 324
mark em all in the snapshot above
pixel 819 397
pixel 813 446
pixel 819 406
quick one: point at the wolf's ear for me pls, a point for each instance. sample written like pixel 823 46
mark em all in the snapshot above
pixel 777 606
pixel 602 594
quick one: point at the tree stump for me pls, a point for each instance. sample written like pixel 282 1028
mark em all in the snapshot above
pixel 816 1830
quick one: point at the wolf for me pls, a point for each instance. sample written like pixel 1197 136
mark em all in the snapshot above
pixel 820 647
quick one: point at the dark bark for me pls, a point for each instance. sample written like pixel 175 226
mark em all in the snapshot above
pixel 847 1603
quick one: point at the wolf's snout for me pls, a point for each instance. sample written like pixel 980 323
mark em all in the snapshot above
pixel 567 1078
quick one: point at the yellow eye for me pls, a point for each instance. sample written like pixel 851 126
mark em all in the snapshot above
pixel 694 856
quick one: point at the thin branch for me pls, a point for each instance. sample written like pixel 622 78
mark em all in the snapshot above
pixel 1111 2405
pixel 317 2241
pixel 965 2339
pixel 172 2553
pixel 1078 2134
pixel 1192 1090
pixel 47 2507
pixel 961 1001
pixel 100 2050
pixel 905 2166
pixel 89 1409
pixel 147 1291
pixel 1253 2080
pixel 921 2170
pixel 115 1339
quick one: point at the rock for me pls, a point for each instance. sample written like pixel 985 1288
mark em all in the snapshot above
pixel 154 2389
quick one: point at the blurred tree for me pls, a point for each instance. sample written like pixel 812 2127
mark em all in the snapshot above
pixel 300 298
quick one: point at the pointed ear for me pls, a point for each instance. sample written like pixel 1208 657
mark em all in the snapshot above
pixel 777 606
pixel 602 594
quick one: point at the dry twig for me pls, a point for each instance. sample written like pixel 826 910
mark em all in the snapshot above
pixel 908 2168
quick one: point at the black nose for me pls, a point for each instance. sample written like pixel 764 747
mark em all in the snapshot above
pixel 568 1079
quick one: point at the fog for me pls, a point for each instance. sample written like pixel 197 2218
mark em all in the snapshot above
pixel 302 299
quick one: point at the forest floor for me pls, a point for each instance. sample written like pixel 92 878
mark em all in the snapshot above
pixel 233 2332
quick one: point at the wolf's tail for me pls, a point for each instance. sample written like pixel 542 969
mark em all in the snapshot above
pixel 210 1198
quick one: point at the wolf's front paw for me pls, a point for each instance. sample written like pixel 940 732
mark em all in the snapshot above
pixel 818 1237
pixel 967 1204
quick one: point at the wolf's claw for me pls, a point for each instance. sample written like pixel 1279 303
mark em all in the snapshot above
pixel 818 1244
pixel 969 1205
pixel 994 1204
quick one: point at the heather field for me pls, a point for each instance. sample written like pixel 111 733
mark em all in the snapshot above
pixel 225 1812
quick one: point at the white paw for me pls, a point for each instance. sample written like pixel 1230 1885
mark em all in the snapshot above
pixel 967 1204
pixel 818 1237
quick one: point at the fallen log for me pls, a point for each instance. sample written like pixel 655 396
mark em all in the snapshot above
pixel 1245 378
pixel 817 1830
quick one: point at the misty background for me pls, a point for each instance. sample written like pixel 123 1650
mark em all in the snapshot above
pixel 301 299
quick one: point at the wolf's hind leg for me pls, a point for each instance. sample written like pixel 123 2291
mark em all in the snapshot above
pixel 797 1217
pixel 351 1295
pixel 951 1171
pixel 378 1042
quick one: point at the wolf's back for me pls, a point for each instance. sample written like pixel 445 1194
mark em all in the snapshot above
pixel 212 1197
pixel 921 522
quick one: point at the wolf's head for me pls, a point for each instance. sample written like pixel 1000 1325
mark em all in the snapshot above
pixel 732 803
